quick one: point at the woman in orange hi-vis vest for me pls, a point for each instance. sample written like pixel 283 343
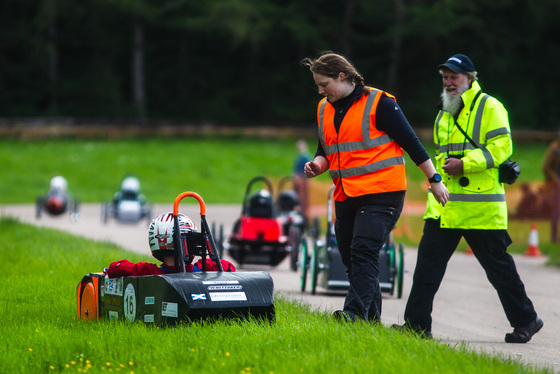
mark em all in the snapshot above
pixel 362 134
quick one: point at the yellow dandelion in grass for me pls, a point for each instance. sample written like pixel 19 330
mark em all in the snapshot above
pixel 88 362
pixel 108 363
pixel 193 350
pixel 30 349
pixel 130 363
pixel 121 365
pixel 51 367
pixel 37 330
pixel 66 366
pixel 227 354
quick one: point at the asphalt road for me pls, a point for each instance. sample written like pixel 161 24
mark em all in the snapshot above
pixel 466 310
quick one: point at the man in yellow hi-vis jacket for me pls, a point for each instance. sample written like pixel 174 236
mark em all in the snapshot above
pixel 472 138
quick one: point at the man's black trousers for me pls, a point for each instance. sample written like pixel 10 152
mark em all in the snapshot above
pixel 490 249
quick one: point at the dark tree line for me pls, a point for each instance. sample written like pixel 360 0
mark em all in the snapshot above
pixel 238 61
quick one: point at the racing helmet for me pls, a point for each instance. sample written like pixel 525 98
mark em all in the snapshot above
pixel 288 200
pixel 58 183
pixel 260 204
pixel 160 233
pixel 130 188
pixel 130 184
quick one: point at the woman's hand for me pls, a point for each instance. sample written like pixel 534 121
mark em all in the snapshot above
pixel 311 169
pixel 315 167
pixel 440 192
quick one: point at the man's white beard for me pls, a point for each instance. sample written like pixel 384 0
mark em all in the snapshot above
pixel 451 104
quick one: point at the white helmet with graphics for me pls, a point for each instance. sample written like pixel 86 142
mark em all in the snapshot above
pixel 160 233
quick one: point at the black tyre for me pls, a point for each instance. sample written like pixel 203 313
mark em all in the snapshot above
pixel 314 265
pixel 304 264
pixel 39 207
pixel 393 269
pixel 105 212
pixel 400 273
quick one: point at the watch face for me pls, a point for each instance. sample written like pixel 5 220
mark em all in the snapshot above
pixel 436 178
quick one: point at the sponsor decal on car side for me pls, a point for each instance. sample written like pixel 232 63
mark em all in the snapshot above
pixel 169 309
pixel 228 296
pixel 114 286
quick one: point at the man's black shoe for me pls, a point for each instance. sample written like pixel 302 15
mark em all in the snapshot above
pixel 424 334
pixel 343 316
pixel 525 333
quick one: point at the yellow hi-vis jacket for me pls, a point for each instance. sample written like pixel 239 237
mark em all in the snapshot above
pixel 362 159
pixel 476 197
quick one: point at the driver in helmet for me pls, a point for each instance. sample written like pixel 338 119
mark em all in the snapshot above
pixel 160 238
pixel 260 204
pixel 57 197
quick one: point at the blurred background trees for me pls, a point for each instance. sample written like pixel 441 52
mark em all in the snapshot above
pixel 238 61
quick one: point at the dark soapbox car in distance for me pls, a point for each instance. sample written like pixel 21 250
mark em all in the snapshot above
pixel 258 236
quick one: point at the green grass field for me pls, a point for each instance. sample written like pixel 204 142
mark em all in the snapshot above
pixel 40 332
pixel 217 168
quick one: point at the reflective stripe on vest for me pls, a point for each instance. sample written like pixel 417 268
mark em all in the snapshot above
pixel 488 198
pixel 353 167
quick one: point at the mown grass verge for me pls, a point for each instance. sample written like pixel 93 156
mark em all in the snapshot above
pixel 40 332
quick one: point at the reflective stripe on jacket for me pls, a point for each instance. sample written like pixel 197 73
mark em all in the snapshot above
pixel 362 159
pixel 476 197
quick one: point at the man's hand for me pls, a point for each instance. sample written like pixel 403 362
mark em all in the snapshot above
pixel 453 166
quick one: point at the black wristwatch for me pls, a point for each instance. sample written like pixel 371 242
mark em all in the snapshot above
pixel 436 178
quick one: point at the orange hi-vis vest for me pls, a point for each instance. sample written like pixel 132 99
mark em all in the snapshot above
pixel 362 159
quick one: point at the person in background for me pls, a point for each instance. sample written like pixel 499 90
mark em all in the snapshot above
pixel 551 170
pixel 160 238
pixel 362 132
pixel 476 209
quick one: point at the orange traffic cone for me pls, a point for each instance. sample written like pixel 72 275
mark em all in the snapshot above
pixel 533 249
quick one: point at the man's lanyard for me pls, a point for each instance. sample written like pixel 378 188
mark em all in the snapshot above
pixel 467 137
